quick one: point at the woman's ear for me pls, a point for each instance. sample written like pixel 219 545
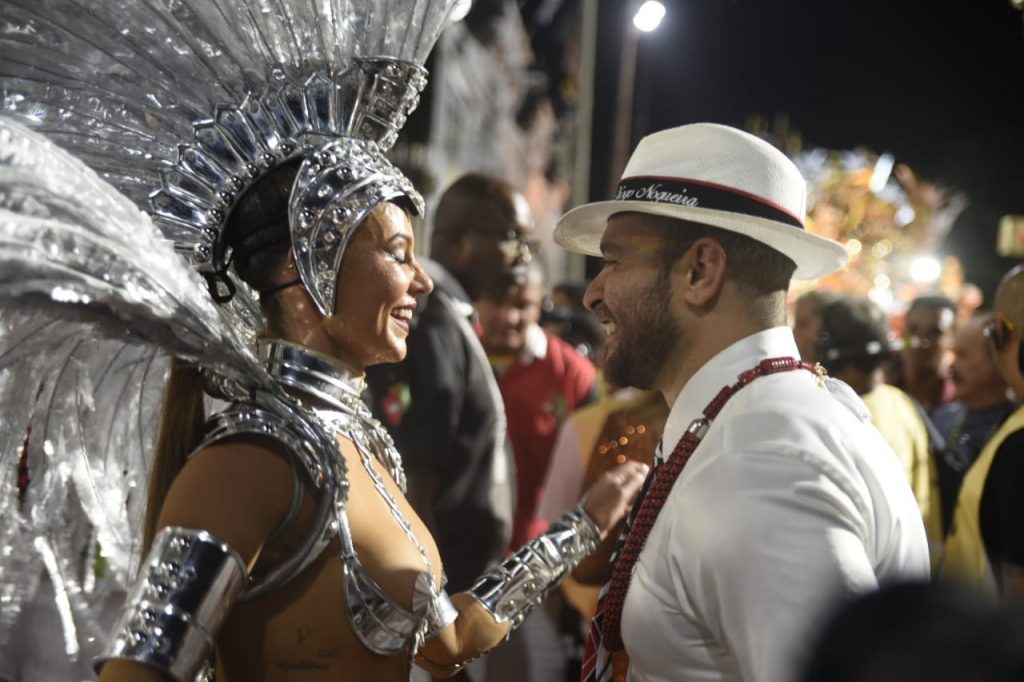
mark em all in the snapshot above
pixel 704 268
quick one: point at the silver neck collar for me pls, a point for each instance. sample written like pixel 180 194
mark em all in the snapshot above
pixel 312 374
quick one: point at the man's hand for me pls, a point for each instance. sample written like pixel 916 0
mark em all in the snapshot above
pixel 610 498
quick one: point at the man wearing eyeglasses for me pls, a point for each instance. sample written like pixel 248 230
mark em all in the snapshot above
pixel 442 404
pixel 927 337
pixel 986 542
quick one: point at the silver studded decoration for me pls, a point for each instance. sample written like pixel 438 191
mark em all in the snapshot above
pixel 369 101
pixel 338 185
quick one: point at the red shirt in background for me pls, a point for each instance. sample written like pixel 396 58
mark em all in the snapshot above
pixel 540 388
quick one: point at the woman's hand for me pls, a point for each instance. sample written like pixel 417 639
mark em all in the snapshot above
pixel 609 499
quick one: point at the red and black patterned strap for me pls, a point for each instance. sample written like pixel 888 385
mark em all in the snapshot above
pixel 664 477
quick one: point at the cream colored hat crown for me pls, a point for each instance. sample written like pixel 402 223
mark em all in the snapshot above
pixel 715 175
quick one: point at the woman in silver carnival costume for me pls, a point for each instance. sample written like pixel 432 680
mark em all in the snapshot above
pixel 277 538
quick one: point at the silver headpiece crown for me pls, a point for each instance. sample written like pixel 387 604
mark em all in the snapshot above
pixel 368 102
pixel 337 187
pixel 184 105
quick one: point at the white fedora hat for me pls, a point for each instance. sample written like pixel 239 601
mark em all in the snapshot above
pixel 715 175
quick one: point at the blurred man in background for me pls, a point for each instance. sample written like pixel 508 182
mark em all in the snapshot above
pixel 927 338
pixel 985 545
pixel 542 380
pixel 854 346
pixel 982 404
pixel 442 404
pixel 807 321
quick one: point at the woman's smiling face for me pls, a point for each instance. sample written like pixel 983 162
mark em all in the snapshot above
pixel 378 284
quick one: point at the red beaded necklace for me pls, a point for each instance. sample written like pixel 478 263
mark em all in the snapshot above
pixel 658 489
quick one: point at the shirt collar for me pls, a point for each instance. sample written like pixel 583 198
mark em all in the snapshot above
pixel 720 371
pixel 535 346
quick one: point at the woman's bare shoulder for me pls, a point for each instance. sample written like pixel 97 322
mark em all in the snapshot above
pixel 237 489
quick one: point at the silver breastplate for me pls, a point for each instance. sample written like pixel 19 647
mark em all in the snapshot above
pixel 310 437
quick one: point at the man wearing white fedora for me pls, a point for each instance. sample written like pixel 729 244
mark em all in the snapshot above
pixel 772 497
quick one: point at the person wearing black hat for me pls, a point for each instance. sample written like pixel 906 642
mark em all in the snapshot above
pixel 771 495
pixel 854 346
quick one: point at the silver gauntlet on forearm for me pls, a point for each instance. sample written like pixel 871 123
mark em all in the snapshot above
pixel 184 591
pixel 513 588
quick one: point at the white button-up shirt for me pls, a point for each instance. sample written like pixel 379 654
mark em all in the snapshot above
pixel 792 501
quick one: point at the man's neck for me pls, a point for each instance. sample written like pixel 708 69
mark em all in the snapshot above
pixel 687 361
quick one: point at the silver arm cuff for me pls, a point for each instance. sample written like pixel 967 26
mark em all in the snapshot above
pixel 436 606
pixel 440 614
pixel 184 591
pixel 516 586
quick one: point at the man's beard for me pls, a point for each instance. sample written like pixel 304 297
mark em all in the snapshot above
pixel 647 336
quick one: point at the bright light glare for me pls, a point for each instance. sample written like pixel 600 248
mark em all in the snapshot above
pixel 460 10
pixel 905 215
pixel 885 298
pixel 925 270
pixel 880 176
pixel 648 17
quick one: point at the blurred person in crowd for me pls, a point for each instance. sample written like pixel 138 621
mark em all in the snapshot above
pixel 969 302
pixel 442 404
pixel 771 494
pixel 916 632
pixel 982 404
pixel 853 345
pixel 807 320
pixel 985 545
pixel 568 295
pixel 927 338
pixel 542 381
pixel 624 424
pixel 565 317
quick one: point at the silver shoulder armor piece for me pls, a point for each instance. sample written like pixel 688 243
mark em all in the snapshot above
pixel 311 451
pixel 513 588
pixel 184 591
pixel 252 419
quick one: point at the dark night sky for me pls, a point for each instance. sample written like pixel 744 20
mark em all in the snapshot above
pixel 939 84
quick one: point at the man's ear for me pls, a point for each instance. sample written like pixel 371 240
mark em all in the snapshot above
pixel 459 248
pixel 704 265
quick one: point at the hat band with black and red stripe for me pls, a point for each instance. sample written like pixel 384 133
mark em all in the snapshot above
pixel 699 194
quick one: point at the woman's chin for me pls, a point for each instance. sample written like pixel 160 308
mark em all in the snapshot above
pixel 395 352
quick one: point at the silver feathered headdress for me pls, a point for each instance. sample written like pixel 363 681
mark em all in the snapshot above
pixel 183 104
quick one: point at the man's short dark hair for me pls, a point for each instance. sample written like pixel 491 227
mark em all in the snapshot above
pixel 756 267
pixel 854 333
pixel 473 196
pixel 819 299
pixel 933 302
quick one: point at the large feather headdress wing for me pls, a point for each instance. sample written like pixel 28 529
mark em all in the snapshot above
pixel 182 105
pixel 179 105
pixel 92 300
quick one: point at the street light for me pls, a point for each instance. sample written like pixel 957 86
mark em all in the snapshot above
pixel 649 15
pixel 925 270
